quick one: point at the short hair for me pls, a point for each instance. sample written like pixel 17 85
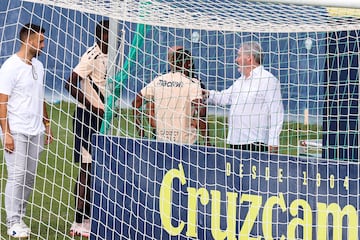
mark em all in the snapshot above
pixel 180 56
pixel 181 60
pixel 29 29
pixel 102 28
pixel 254 49
pixel 171 51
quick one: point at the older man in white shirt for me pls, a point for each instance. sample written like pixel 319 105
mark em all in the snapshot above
pixel 256 113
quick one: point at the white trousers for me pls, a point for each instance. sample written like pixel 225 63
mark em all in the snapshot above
pixel 21 169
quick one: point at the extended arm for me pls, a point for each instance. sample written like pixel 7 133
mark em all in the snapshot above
pixel 199 119
pixel 276 115
pixel 222 98
pixel 8 140
pixel 137 103
pixel 46 121
pixel 72 86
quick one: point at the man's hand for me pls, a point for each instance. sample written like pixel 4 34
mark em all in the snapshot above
pixel 194 123
pixel 138 127
pixel 205 94
pixel 9 142
pixel 48 134
pixel 98 111
pixel 140 131
pixel 273 149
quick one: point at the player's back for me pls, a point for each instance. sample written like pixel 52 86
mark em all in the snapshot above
pixel 173 94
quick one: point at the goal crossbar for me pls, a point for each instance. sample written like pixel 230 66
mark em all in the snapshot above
pixel 244 16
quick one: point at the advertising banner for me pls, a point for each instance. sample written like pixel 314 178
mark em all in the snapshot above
pixel 151 190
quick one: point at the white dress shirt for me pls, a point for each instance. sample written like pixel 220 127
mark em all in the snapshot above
pixel 256 109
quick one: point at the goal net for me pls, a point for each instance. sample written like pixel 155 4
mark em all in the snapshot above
pixel 145 188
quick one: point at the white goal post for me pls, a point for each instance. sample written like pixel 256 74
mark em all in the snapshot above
pixel 310 46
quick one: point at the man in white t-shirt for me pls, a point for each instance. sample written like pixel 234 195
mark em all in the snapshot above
pixel 256 109
pixel 87 85
pixel 23 120
pixel 177 99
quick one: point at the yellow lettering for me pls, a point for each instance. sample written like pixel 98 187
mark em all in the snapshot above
pixel 253 172
pixel 338 215
pixel 192 208
pixel 332 181
pixel 318 179
pixel 166 199
pixel 306 222
pixel 280 175
pixel 241 171
pixel 230 232
pixel 346 183
pixel 228 169
pixel 267 173
pixel 267 218
pixel 251 216
pixel 305 178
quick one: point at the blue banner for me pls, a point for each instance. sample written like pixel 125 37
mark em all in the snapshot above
pixel 152 190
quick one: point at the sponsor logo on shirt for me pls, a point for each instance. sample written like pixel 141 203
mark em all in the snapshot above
pixel 164 83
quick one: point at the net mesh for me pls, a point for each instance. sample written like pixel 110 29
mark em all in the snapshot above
pixel 312 50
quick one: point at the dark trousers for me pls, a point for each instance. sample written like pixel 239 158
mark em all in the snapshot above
pixel 255 147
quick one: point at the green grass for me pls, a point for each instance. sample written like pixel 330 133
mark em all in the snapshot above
pixel 52 201
pixel 51 207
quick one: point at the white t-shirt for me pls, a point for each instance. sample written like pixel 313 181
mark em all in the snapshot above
pixel 256 111
pixel 172 94
pixel 24 84
pixel 93 67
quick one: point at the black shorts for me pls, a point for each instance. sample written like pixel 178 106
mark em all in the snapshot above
pixel 85 124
